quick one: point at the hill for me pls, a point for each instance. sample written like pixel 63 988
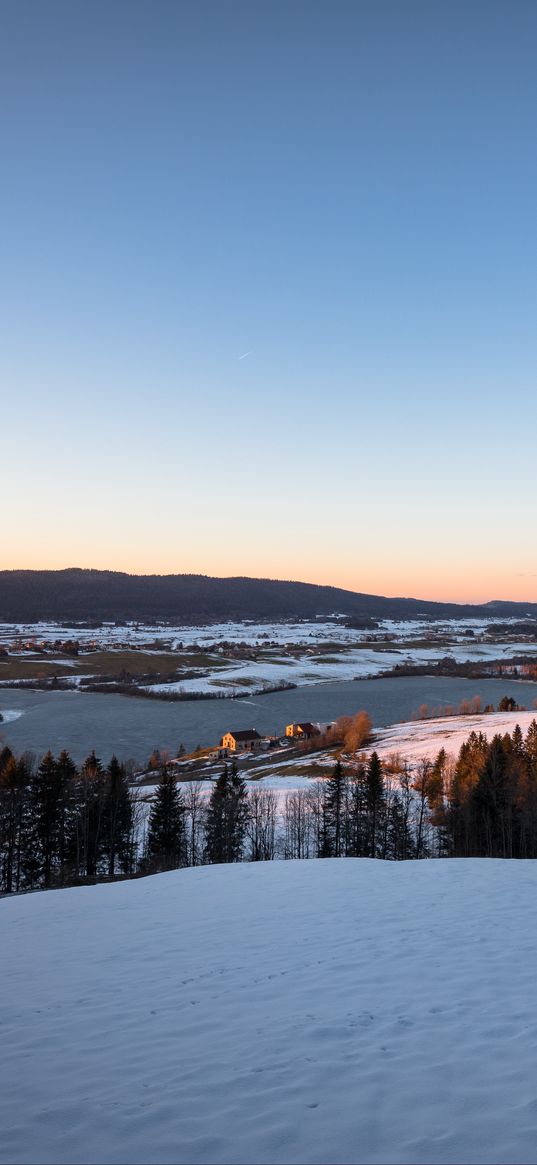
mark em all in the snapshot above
pixel 31 595
pixel 320 1011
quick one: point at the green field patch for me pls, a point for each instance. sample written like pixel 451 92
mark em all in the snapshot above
pixel 30 669
pixel 133 662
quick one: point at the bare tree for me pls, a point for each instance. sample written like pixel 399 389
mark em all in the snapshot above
pixel 194 802
pixel 422 784
pixel 297 825
pixel 261 830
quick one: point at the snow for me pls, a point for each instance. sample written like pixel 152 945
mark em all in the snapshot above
pixel 366 652
pixel 422 739
pixel 247 631
pixel 412 740
pixel 353 663
pixel 321 1011
pixel 279 784
pixel 9 714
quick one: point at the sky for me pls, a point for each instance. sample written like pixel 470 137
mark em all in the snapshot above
pixel 268 290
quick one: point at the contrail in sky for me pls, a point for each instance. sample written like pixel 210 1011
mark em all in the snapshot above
pixel 244 355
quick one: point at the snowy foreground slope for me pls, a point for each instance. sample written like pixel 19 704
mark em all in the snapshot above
pixel 323 1011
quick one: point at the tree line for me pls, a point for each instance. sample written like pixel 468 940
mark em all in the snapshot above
pixel 485 803
pixel 29 596
pixel 61 824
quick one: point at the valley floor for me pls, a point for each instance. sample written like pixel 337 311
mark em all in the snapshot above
pixel 323 1011
pixel 227 659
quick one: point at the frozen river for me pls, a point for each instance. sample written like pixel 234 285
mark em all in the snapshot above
pixel 132 727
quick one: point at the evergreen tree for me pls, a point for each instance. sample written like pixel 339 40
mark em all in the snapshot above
pixel 375 801
pixel 117 823
pixel 530 745
pixel 7 755
pixel 89 818
pixel 166 831
pixel 44 822
pixel 358 817
pixel 491 806
pixel 399 843
pixel 517 740
pixel 227 818
pixel 334 812
pixel 507 704
pixel 14 782
pixel 67 780
pixel 436 797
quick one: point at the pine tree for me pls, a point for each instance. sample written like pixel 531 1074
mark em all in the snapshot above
pixel 436 798
pixel 399 844
pixel 7 755
pixel 166 831
pixel 42 841
pixel 530 806
pixel 491 806
pixel 117 818
pixel 358 844
pixel 67 778
pixel 375 800
pixel 517 740
pixel 227 818
pixel 530 745
pixel 334 812
pixel 14 782
pixel 89 818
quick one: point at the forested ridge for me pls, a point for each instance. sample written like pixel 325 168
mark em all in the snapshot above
pixel 62 825
pixel 33 595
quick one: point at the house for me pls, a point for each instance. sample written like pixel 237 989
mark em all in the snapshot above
pixel 246 740
pixel 303 731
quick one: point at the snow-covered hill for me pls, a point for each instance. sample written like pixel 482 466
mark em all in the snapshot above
pixel 336 1011
pixel 415 740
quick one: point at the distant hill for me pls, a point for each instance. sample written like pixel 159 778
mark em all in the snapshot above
pixel 30 595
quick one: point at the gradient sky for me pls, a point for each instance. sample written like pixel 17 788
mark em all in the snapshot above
pixel 348 192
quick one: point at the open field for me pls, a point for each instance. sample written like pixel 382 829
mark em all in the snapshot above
pixel 105 663
pixel 225 658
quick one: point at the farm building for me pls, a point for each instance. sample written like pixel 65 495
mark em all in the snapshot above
pixel 246 740
pixel 303 731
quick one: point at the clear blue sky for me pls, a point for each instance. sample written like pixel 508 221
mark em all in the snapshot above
pixel 346 191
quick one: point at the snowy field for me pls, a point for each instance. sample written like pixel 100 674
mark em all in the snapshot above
pixel 422 739
pixel 412 741
pixel 298 652
pixel 247 631
pixel 358 662
pixel 320 1011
